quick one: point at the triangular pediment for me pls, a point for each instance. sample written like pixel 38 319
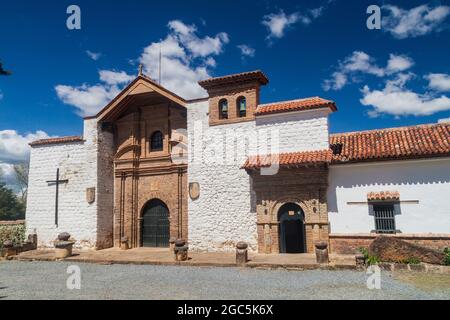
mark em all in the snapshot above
pixel 139 87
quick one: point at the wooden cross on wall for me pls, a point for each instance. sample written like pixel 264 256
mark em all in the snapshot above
pixel 57 182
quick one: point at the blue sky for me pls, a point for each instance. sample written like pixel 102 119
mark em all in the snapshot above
pixel 399 75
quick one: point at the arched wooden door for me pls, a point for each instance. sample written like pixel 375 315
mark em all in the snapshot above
pixel 292 229
pixel 155 224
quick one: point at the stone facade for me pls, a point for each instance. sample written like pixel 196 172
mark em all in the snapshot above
pixel 142 174
pixel 305 187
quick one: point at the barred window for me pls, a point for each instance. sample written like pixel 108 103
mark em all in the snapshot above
pixel 384 217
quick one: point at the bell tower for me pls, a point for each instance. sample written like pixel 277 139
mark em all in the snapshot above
pixel 234 98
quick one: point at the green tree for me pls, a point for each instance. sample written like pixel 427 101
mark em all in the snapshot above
pixel 10 206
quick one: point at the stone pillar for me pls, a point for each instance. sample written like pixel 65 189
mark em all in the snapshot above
pixel 321 252
pixel 241 253
pixel 181 250
pixel 63 247
pixel 267 239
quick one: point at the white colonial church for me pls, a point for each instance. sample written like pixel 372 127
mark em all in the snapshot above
pixel 152 166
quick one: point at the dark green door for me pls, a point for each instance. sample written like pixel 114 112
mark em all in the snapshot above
pixel 155 225
pixel 292 229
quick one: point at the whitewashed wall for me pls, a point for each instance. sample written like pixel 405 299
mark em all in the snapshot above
pixel 225 212
pixel 78 162
pixel 427 181
pixel 298 131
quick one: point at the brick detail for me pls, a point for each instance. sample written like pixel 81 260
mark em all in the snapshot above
pixel 350 244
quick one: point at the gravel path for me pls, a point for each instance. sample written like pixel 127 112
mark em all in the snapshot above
pixel 47 280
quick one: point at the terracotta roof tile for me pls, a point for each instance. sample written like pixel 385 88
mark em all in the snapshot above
pixel 56 140
pixel 383 195
pixel 288 159
pixel 394 143
pixel 295 105
pixel 244 76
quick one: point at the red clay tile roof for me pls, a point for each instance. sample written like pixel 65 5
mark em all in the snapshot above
pixel 56 140
pixel 244 76
pixel 383 195
pixel 390 144
pixel 289 159
pixel 295 105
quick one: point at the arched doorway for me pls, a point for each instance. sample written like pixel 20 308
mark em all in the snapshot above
pixel 155 224
pixel 292 229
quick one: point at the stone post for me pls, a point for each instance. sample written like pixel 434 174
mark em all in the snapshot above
pixel 181 250
pixel 241 253
pixel 124 243
pixel 321 252
pixel 63 247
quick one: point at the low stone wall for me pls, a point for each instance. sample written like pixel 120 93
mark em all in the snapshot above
pixel 350 243
pixel 12 230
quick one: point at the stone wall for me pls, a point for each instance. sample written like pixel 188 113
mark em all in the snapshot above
pixel 350 243
pixel 90 224
pixel 224 213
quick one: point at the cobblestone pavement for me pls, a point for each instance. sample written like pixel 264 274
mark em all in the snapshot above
pixel 47 280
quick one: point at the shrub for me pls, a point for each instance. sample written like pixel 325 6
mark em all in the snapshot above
pixel 370 259
pixel 13 232
pixel 447 256
pixel 412 260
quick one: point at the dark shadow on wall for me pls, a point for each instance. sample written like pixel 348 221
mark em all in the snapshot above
pixel 384 177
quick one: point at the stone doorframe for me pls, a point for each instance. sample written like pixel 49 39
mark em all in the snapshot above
pixel 308 192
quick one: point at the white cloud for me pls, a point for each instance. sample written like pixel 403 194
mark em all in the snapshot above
pixel 438 81
pixel 246 50
pixel 276 23
pixel 114 77
pixel 359 63
pixel 398 63
pixel 445 120
pixel 88 100
pixel 93 55
pixel 186 58
pixel 415 22
pixel 14 146
pixel 397 100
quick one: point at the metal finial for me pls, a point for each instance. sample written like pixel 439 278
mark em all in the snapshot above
pixel 140 69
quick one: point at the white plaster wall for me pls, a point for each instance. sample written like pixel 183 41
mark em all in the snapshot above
pixel 298 131
pixel 80 162
pixel 224 213
pixel 427 181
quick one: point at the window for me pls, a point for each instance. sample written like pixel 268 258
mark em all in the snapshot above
pixel 384 217
pixel 156 141
pixel 242 107
pixel 223 109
